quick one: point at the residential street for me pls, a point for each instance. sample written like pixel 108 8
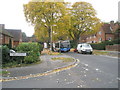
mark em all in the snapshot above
pixel 93 71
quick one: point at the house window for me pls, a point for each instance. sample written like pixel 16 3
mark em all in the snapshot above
pixel 100 39
pixel 109 38
pixel 94 41
pixel 99 32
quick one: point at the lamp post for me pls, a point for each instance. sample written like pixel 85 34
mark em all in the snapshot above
pixel 51 45
pixel 51 39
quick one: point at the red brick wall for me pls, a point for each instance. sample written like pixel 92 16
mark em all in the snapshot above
pixel 15 43
pixel 100 36
pixel 108 36
pixel 91 39
pixel 4 39
pixel 113 47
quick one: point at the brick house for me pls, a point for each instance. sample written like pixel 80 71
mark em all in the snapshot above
pixel 29 39
pixel 106 32
pixel 15 34
pixel 5 36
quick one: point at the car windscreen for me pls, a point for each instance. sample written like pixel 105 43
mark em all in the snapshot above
pixel 65 45
pixel 86 45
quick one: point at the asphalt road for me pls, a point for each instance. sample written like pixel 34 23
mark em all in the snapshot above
pixel 92 72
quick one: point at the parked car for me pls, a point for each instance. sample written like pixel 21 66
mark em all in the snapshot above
pixel 75 50
pixel 84 48
pixel 12 51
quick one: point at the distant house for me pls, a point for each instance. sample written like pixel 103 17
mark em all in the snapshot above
pixel 106 32
pixel 5 37
pixel 29 39
pixel 14 35
pixel 17 36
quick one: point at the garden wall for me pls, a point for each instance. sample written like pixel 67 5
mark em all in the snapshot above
pixel 115 47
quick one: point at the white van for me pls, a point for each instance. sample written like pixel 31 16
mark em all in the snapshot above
pixel 84 48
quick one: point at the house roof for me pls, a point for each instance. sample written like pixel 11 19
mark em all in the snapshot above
pixel 17 34
pixel 28 39
pixel 106 28
pixel 5 32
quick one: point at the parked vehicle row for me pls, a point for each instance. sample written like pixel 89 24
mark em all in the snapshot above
pixel 64 46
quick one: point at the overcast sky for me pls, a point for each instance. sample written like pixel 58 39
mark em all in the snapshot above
pixel 12 15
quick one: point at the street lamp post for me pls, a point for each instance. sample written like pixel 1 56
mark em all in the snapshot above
pixel 51 44
pixel 51 39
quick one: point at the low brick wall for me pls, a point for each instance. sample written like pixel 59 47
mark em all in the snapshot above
pixel 115 47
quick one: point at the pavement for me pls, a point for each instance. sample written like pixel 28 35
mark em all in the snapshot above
pixel 47 65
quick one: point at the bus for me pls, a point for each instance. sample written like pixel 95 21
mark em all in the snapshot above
pixel 62 46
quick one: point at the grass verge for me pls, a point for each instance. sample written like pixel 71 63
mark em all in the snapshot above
pixel 100 52
pixel 4 72
pixel 14 64
pixel 63 59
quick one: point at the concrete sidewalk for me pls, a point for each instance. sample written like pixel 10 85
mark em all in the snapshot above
pixel 46 65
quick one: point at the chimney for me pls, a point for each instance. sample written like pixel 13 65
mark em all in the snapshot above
pixel 2 26
pixel 112 23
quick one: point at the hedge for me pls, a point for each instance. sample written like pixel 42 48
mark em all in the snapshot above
pixel 32 50
pixel 6 58
pixel 102 45
pixel 99 46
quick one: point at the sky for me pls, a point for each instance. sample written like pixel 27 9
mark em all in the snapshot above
pixel 12 15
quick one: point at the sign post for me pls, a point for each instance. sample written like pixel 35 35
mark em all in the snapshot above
pixel 18 54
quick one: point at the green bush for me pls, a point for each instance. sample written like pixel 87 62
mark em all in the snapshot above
pixel 5 54
pixel 102 45
pixel 108 42
pixel 99 46
pixel 32 50
pixel 7 60
pixel 116 41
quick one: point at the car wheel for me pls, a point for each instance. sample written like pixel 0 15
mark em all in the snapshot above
pixel 90 52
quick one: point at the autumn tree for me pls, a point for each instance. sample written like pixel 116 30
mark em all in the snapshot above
pixel 61 21
pixel 44 16
pixel 83 20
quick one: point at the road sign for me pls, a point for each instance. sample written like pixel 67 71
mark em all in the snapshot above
pixel 17 54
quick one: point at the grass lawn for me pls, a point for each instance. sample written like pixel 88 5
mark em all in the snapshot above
pixel 4 72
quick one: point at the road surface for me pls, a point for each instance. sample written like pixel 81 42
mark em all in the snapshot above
pixel 93 71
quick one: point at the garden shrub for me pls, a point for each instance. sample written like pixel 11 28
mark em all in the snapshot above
pixel 5 54
pixel 98 46
pixel 8 60
pixel 102 45
pixel 116 41
pixel 32 50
